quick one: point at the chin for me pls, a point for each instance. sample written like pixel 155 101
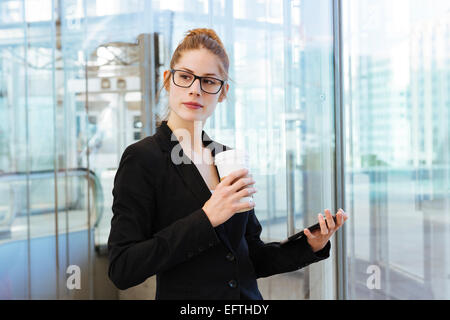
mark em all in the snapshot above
pixel 191 116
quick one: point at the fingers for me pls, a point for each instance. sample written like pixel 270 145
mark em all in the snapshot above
pixel 308 233
pixel 228 180
pixel 339 219
pixel 242 183
pixel 323 226
pixel 330 220
pixel 247 205
pixel 246 192
pixel 344 214
pixel 328 226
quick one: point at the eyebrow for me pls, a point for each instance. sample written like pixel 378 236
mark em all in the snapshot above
pixel 206 74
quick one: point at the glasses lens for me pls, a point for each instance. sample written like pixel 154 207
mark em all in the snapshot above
pixel 211 85
pixel 183 79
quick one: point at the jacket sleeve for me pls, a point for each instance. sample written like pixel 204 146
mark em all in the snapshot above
pixel 135 252
pixel 274 258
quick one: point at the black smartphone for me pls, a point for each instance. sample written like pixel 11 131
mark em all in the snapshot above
pixel 301 233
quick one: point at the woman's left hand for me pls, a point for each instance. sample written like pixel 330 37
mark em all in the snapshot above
pixel 319 238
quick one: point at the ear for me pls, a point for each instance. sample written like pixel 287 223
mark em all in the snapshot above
pixel 223 93
pixel 166 75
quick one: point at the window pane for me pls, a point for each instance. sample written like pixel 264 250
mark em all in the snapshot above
pixel 78 85
pixel 397 106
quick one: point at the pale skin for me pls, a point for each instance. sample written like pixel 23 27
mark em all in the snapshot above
pixel 224 201
pixel 319 238
pixel 202 62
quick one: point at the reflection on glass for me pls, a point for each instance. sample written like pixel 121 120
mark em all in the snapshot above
pixel 397 107
pixel 72 100
pixel 72 97
pixel 283 110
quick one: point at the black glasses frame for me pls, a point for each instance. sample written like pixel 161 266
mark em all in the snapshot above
pixel 172 71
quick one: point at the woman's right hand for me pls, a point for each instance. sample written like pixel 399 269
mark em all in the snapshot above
pixel 224 202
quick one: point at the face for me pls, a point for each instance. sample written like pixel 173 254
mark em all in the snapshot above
pixel 201 62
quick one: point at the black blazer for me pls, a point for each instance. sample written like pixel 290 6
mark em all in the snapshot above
pixel 158 227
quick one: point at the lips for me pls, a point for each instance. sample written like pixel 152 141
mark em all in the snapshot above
pixel 193 105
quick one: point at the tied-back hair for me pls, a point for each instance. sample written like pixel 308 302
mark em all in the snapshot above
pixel 197 39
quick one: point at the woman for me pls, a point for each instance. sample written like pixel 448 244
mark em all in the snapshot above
pixel 175 219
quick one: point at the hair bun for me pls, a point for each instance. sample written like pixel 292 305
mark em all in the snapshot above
pixel 205 32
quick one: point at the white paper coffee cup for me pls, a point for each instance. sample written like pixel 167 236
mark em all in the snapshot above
pixel 233 160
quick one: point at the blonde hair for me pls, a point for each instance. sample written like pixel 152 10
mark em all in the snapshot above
pixel 197 39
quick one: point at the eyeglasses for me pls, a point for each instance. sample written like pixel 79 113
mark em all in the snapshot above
pixel 185 79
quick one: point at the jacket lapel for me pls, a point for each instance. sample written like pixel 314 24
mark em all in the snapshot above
pixel 188 170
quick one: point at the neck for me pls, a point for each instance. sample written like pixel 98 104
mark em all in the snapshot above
pixel 189 133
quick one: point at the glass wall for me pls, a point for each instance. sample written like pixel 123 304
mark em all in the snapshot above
pixel 281 111
pixel 79 82
pixel 396 66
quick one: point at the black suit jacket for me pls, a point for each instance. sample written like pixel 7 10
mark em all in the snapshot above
pixel 158 227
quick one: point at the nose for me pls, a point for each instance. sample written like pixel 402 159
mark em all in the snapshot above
pixel 195 88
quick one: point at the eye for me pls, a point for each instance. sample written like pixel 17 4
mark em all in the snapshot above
pixel 209 81
pixel 185 76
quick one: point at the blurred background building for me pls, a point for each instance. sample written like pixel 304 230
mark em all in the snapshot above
pixel 343 103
